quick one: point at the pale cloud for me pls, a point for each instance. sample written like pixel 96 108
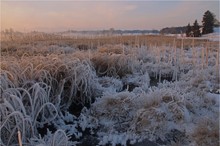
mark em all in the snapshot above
pixel 130 7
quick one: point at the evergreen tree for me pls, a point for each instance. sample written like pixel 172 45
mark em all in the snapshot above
pixel 188 30
pixel 196 29
pixel 208 22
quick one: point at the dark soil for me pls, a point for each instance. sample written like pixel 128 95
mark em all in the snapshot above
pixel 43 131
pixel 154 81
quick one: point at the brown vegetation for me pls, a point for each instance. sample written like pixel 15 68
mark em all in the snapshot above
pixel 82 43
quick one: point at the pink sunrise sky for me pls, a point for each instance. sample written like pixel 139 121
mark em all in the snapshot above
pixel 97 15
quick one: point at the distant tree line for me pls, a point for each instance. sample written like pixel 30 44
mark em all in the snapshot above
pixel 208 24
pixel 114 31
pixel 173 30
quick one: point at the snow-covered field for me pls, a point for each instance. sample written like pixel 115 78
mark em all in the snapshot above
pixel 112 95
pixel 215 36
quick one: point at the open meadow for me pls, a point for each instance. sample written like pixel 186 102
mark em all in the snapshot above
pixel 109 90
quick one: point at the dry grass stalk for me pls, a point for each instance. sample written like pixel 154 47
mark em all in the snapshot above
pixel 19 138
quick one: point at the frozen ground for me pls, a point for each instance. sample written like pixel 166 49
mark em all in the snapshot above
pixel 213 36
pixel 114 95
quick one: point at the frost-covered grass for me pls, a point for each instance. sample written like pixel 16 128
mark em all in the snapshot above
pixel 112 84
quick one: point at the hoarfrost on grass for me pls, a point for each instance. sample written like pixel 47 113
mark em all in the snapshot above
pixel 113 83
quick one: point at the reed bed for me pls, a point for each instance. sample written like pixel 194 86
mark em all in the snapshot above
pixel 109 81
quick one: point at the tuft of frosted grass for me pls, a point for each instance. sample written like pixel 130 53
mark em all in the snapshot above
pixel 113 49
pixel 115 139
pixel 59 138
pixel 206 132
pixel 33 93
pixel 116 65
pixel 110 84
pixel 70 77
pixel 25 110
pixel 137 80
pixel 5 80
